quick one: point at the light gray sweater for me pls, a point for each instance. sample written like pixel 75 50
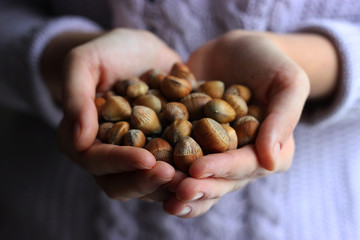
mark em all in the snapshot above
pixel 45 196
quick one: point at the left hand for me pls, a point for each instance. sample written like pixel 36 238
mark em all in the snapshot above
pixel 278 84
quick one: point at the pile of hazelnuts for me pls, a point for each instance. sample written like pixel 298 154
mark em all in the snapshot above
pixel 175 118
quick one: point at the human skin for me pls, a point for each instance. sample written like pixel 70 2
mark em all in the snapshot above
pixel 283 70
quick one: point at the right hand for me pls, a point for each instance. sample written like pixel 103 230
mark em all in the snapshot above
pixel 122 172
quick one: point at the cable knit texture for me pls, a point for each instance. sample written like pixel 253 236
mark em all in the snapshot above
pixel 318 198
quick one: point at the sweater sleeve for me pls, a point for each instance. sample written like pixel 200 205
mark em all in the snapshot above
pixel 26 30
pixel 345 104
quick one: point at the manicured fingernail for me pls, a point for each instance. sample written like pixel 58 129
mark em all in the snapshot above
pixel 206 175
pixel 184 211
pixel 197 196
pixel 277 150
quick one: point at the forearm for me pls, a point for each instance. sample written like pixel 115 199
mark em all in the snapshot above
pixel 316 55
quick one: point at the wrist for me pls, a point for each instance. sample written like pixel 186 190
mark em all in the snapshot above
pixel 316 55
pixel 53 56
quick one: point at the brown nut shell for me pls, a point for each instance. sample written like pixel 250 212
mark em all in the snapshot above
pixel 186 151
pixel 117 132
pixel 214 89
pixel 161 149
pixel 178 129
pixel 194 103
pixel 237 103
pixel 121 86
pixel 135 138
pixel 175 88
pixel 233 143
pixel 145 119
pixel 116 108
pixel 219 110
pixel 246 129
pixel 137 89
pixel 150 101
pixel 153 78
pixel 256 111
pixel 211 136
pixel 239 90
pixel 175 110
pixel 104 129
pixel 180 70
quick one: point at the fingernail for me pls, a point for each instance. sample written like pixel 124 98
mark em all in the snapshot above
pixel 184 211
pixel 197 196
pixel 277 150
pixel 206 175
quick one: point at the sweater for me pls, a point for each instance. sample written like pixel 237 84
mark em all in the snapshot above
pixel 43 195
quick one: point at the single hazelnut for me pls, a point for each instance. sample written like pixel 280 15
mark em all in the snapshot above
pixel 237 103
pixel 180 70
pixel 116 108
pixel 175 110
pixel 121 86
pixel 233 143
pixel 150 101
pixel 175 88
pixel 178 129
pixel 219 110
pixel 104 129
pixel 246 129
pixel 161 149
pixel 239 90
pixel 194 103
pixel 145 119
pixel 214 89
pixel 135 138
pixel 117 132
pixel 137 89
pixel 186 151
pixel 210 135
pixel 153 78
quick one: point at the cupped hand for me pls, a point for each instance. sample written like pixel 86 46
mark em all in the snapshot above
pixel 278 84
pixel 122 172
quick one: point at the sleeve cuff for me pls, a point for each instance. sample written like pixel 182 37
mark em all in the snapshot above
pixel 346 38
pixel 42 98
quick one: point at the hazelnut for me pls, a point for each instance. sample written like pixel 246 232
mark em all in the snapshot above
pixel 175 110
pixel 219 110
pixel 194 103
pixel 239 90
pixel 153 78
pixel 237 103
pixel 104 129
pixel 233 143
pixel 186 151
pixel 150 101
pixel 135 138
pixel 210 135
pixel 145 119
pixel 246 129
pixel 214 89
pixel 180 70
pixel 116 108
pixel 121 86
pixel 178 129
pixel 137 89
pixel 161 149
pixel 117 132
pixel 175 88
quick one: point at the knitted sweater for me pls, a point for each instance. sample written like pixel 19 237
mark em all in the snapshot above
pixel 45 196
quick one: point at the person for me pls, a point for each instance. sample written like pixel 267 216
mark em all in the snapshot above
pixel 301 58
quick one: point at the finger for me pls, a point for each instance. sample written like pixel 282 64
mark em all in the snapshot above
pixel 287 98
pixel 192 189
pixel 183 209
pixel 79 88
pixel 136 184
pixel 166 190
pixel 101 159
pixel 238 164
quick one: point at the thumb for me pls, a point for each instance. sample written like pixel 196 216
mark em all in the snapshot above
pixel 286 102
pixel 79 107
